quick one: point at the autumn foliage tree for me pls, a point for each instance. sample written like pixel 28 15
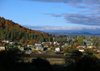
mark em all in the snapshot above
pixel 13 31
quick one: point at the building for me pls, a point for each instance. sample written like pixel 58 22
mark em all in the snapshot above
pixel 38 46
pixel 81 46
pixel 29 45
pixel 16 46
pixel 57 49
pixel 81 50
pixel 89 46
pixel 2 48
pixel 11 42
pixel 5 41
pixel 87 43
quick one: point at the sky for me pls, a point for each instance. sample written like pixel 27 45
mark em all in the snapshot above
pixel 53 15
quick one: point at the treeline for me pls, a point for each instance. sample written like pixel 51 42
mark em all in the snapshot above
pixel 15 32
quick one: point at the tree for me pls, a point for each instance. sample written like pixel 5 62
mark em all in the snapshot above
pixel 81 41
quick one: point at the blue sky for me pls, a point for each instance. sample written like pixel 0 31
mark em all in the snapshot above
pixel 78 15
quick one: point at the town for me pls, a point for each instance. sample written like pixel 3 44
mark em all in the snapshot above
pixel 61 45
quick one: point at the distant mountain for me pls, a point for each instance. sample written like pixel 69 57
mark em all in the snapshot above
pixel 71 33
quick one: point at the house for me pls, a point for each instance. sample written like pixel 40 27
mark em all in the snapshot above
pixel 46 46
pixel 38 46
pixel 43 43
pixel 48 49
pixel 29 45
pixel 32 48
pixel 81 46
pixel 5 41
pixel 98 51
pixel 55 42
pixel 50 43
pixel 81 50
pixel 73 39
pixel 11 42
pixel 87 43
pixel 89 46
pixel 28 52
pixel 18 46
pixel 57 49
pixel 95 49
pixel 64 45
pixel 2 48
pixel 8 41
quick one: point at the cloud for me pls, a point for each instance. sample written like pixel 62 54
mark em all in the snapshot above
pixel 71 1
pixel 90 15
pixel 65 28
pixel 65 1
pixel 92 1
pixel 60 27
pixel 92 19
pixel 83 19
pixel 81 6
pixel 76 3
pixel 54 15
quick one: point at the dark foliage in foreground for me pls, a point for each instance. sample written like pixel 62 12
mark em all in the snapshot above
pixel 78 62
pixel 42 64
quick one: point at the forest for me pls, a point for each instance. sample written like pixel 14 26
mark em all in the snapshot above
pixel 17 33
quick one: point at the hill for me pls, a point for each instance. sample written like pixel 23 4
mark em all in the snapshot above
pixel 14 31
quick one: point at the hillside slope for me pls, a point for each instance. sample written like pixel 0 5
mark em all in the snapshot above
pixel 14 31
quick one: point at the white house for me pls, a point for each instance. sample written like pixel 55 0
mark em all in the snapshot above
pixel 11 42
pixel 57 49
pixel 38 46
pixel 81 50
pixel 81 47
pixel 55 42
pixel 2 48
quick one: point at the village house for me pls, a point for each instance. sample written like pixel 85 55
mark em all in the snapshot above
pixel 2 48
pixel 89 46
pixel 46 46
pixel 38 46
pixel 18 46
pixel 55 42
pixel 11 42
pixel 64 46
pixel 81 46
pixel 73 39
pixel 43 43
pixel 29 45
pixel 87 43
pixel 57 49
pixel 8 41
pixel 5 41
pixel 81 50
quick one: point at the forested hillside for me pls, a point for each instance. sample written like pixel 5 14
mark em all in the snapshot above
pixel 15 32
